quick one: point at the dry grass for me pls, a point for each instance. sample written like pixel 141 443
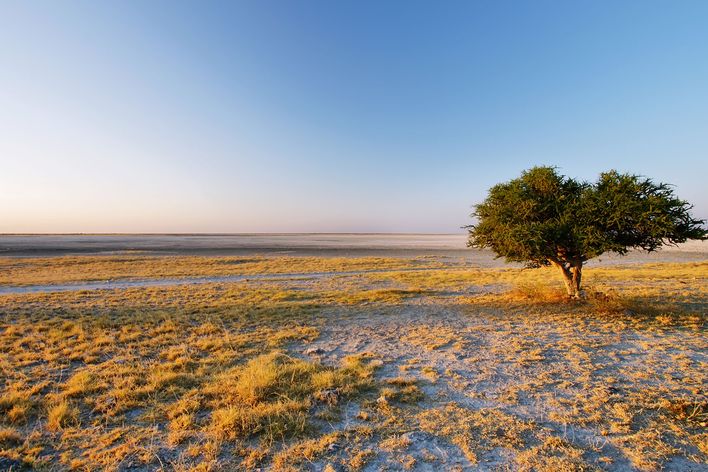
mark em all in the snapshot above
pixel 475 431
pixel 213 377
pixel 66 269
pixel 99 386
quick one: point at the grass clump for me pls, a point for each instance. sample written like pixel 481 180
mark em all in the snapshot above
pixel 62 414
pixel 81 383
pixel 9 437
pixel 271 395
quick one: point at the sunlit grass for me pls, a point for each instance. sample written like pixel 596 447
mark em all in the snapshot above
pixel 67 269
pixel 214 376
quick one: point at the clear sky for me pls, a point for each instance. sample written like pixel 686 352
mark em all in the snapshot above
pixel 391 116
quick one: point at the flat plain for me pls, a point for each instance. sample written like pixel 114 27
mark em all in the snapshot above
pixel 346 355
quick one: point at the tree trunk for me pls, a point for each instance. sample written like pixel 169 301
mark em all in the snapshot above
pixel 571 277
pixel 577 275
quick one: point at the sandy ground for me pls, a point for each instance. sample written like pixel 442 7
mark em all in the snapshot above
pixel 472 372
pixel 323 245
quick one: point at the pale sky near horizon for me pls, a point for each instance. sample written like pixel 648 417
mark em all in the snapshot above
pixel 347 116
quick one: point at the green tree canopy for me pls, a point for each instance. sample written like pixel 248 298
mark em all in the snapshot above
pixel 543 218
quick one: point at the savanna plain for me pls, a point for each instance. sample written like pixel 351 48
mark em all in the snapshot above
pixel 328 363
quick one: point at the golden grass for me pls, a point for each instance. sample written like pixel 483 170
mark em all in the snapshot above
pixel 67 269
pixel 552 455
pixel 212 377
pixel 475 431
pixel 60 415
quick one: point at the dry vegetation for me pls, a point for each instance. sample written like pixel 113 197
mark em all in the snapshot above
pixel 31 271
pixel 423 370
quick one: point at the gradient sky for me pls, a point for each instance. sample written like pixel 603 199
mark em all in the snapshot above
pixel 250 116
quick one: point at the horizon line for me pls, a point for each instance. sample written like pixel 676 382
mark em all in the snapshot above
pixel 278 233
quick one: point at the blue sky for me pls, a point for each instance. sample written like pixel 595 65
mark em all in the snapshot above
pixel 173 116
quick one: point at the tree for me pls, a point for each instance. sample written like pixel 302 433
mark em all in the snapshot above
pixel 546 219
